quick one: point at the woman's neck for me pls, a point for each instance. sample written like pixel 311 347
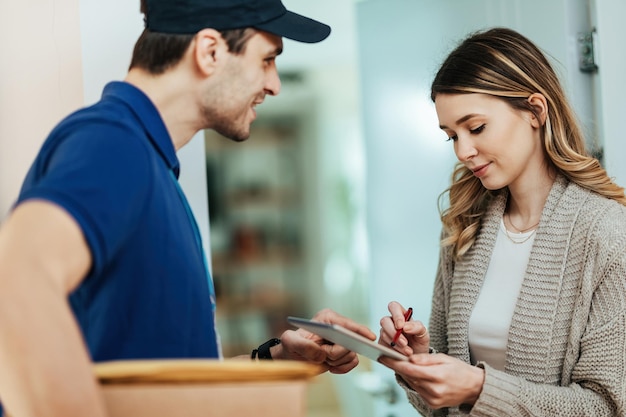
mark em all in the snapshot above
pixel 526 202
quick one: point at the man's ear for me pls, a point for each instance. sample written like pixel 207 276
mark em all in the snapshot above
pixel 208 48
pixel 540 104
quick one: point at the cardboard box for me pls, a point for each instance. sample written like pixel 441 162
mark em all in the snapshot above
pixel 194 388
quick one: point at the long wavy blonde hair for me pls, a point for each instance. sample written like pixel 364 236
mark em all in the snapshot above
pixel 503 63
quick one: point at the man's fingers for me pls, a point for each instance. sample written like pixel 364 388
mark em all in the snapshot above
pixel 300 347
pixel 345 367
pixel 330 316
pixel 335 352
pixel 339 359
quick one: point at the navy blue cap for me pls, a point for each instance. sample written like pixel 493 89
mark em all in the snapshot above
pixel 191 16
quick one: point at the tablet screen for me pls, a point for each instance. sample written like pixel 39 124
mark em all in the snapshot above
pixel 347 338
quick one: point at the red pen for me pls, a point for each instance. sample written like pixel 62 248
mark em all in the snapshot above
pixel 407 317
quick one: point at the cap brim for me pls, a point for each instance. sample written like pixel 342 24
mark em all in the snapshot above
pixel 296 27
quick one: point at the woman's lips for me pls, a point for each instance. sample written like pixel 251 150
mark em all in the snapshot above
pixel 480 171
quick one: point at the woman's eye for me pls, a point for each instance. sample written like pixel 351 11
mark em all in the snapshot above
pixel 452 138
pixel 477 130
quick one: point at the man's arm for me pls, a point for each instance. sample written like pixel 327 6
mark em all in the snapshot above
pixel 46 369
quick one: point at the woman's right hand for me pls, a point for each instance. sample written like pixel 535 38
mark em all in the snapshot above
pixel 414 337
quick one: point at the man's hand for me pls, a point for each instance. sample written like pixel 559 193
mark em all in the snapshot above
pixel 306 346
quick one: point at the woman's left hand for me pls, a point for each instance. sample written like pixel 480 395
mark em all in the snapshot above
pixel 441 380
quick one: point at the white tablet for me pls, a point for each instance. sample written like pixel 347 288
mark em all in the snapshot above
pixel 347 338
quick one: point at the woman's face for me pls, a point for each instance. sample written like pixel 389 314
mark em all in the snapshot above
pixel 499 144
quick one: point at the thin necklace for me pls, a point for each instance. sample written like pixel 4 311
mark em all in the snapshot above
pixel 517 229
pixel 518 242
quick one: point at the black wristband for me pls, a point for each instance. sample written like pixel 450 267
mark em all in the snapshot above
pixel 263 351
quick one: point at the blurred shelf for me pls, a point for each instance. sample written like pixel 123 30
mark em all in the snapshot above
pixel 259 257
pixel 267 301
pixel 229 262
pixel 238 199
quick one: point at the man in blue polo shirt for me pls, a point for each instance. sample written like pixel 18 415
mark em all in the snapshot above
pixel 101 219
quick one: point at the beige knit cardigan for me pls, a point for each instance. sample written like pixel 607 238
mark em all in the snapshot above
pixel 566 353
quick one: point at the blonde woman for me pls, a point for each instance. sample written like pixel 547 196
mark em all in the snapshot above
pixel 529 304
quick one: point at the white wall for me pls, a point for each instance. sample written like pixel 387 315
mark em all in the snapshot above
pixel 108 32
pixel 40 82
pixel 608 17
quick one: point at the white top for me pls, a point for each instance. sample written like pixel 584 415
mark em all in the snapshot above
pixel 491 317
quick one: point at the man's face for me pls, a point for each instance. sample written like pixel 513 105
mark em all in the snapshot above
pixel 245 80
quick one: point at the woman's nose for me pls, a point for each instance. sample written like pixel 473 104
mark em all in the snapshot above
pixel 464 149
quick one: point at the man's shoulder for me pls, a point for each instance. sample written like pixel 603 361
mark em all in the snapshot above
pixel 104 114
pixel 103 125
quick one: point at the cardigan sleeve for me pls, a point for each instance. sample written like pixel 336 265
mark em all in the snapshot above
pixel 597 384
pixel 599 393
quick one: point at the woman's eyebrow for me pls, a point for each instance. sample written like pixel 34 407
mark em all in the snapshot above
pixel 461 120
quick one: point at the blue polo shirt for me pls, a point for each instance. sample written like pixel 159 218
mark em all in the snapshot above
pixel 113 168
